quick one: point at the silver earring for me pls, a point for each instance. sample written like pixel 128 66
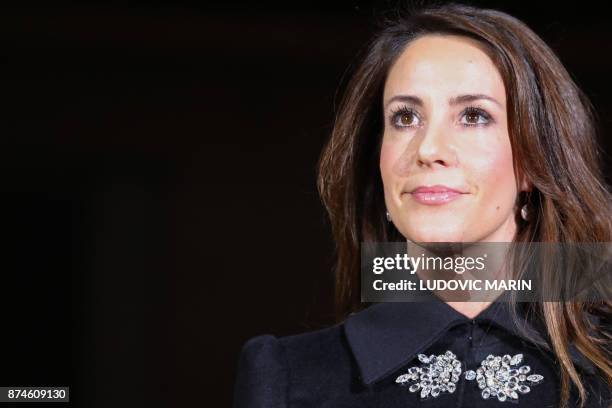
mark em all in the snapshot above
pixel 388 216
pixel 524 212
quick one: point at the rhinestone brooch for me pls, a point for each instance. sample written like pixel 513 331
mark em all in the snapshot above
pixel 438 375
pixel 502 378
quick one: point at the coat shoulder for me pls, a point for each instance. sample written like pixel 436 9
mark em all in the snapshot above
pixel 296 350
pixel 262 375
pixel 272 368
pixel 315 344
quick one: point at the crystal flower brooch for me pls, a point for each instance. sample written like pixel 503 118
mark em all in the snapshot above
pixel 502 378
pixel 498 377
pixel 441 374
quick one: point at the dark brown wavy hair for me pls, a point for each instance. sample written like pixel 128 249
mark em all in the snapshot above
pixel 552 131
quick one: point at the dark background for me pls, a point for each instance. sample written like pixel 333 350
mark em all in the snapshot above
pixel 158 199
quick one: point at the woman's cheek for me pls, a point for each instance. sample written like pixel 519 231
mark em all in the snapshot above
pixel 496 175
pixel 387 159
pixel 396 156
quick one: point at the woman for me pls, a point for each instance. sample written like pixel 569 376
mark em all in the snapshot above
pixel 459 125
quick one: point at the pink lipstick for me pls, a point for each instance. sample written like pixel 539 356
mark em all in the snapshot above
pixel 435 195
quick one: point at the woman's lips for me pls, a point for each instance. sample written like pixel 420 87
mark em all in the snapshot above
pixel 435 195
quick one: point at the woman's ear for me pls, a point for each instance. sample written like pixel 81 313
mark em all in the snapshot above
pixel 525 184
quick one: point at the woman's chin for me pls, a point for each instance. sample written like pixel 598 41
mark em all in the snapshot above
pixel 432 235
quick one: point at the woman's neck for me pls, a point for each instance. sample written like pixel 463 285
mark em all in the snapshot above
pixel 469 309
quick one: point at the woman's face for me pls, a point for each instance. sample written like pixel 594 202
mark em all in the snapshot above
pixel 446 159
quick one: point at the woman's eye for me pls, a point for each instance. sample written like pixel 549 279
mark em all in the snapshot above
pixel 475 117
pixel 405 118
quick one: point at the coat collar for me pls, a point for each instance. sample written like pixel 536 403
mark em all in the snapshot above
pixel 377 335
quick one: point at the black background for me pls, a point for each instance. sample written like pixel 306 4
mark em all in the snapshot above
pixel 158 200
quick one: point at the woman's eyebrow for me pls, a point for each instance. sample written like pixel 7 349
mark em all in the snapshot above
pixel 415 100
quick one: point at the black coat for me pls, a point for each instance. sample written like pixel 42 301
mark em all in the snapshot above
pixel 356 364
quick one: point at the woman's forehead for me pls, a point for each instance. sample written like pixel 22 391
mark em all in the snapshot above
pixel 436 65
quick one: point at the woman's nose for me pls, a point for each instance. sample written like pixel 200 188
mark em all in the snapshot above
pixel 433 146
